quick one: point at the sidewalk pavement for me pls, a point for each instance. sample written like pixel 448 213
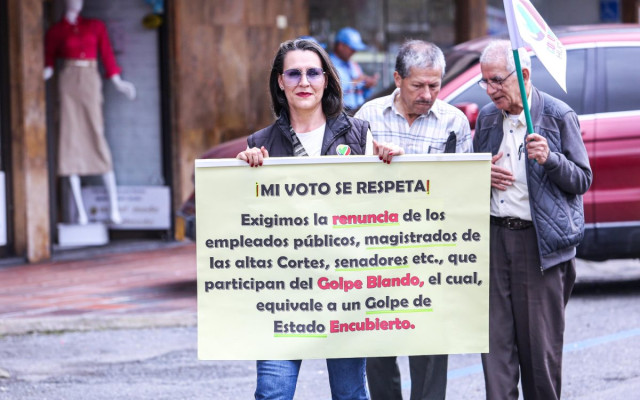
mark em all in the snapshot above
pixel 104 291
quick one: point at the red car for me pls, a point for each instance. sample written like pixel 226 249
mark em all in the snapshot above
pixel 603 87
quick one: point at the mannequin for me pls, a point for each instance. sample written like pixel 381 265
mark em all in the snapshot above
pixel 83 149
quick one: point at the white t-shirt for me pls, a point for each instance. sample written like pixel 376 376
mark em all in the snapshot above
pixel 312 141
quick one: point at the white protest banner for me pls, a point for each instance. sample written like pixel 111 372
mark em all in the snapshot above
pixel 324 257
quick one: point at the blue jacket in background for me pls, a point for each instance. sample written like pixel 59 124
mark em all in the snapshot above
pixel 353 93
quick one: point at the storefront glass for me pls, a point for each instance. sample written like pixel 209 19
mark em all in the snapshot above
pixel 384 25
pixel 133 130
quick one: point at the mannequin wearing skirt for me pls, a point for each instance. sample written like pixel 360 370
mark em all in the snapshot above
pixel 82 148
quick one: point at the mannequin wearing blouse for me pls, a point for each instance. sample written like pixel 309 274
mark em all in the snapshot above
pixel 83 148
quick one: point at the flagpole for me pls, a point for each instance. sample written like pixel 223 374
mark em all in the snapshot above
pixel 523 92
pixel 526 26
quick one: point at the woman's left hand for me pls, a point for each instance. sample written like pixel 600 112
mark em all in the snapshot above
pixel 253 156
pixel 386 151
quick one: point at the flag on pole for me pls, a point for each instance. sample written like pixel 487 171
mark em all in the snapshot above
pixel 526 27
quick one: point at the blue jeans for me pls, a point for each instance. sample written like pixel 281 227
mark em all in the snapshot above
pixel 277 379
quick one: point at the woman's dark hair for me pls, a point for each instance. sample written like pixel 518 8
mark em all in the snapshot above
pixel 332 96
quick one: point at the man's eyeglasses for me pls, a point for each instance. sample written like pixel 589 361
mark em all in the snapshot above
pixel 293 76
pixel 494 82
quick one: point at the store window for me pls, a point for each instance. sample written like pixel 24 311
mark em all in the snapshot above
pixel 132 129
pixel 384 25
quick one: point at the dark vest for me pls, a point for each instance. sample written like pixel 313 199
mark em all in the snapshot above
pixel 343 129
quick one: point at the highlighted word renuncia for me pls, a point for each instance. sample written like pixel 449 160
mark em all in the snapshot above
pixel 384 218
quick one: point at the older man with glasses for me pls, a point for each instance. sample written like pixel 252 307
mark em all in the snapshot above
pixel 495 83
pixel 537 220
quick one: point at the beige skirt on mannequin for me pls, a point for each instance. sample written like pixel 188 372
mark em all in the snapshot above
pixel 82 147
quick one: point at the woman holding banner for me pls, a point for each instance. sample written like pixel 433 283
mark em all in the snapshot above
pixel 307 100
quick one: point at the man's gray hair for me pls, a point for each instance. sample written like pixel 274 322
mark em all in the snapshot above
pixel 501 51
pixel 419 54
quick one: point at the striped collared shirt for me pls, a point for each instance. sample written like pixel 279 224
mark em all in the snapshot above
pixel 427 134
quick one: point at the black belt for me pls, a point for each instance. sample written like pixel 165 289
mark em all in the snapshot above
pixel 511 222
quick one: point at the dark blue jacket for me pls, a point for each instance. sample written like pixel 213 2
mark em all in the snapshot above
pixel 555 188
pixel 343 129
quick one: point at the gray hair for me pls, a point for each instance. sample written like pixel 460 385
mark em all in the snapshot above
pixel 501 51
pixel 419 54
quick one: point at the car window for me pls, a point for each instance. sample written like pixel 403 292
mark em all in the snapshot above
pixel 457 63
pixel 622 79
pixel 576 61
pixel 473 94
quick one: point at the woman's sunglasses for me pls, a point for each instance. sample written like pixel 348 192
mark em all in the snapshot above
pixel 292 77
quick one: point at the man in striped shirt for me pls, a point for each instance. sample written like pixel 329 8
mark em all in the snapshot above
pixel 413 118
